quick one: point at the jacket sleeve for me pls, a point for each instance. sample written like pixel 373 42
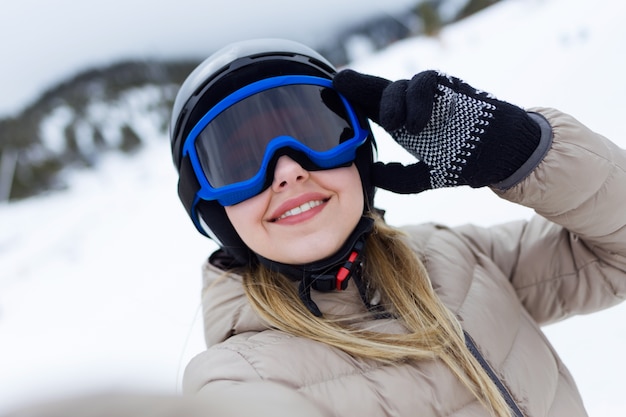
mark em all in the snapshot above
pixel 258 399
pixel 571 258
pixel 226 378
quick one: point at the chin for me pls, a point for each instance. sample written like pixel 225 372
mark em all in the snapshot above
pixel 313 252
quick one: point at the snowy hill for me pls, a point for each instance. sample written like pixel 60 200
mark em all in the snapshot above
pixel 99 284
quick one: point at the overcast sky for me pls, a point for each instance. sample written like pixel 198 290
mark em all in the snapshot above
pixel 43 41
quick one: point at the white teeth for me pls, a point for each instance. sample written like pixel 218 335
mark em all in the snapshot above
pixel 301 209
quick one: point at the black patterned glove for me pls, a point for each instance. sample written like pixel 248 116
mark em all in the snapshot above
pixel 463 136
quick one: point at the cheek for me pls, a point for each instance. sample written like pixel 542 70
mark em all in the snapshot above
pixel 347 184
pixel 246 217
pixel 356 203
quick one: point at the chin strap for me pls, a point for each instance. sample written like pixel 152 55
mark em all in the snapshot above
pixel 332 273
pixel 352 267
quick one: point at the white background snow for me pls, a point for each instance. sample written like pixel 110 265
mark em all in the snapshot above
pixel 99 284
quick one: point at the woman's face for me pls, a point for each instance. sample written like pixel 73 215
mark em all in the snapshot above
pixel 304 216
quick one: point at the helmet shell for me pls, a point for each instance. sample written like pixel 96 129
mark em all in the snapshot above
pixel 233 67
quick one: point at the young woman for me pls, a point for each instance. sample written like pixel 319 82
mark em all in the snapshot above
pixel 312 291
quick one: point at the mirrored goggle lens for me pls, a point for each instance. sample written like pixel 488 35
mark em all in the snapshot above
pixel 232 146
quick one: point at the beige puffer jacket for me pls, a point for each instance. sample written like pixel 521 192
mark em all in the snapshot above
pixel 503 282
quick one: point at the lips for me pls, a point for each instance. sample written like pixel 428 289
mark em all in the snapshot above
pixel 298 206
pixel 301 209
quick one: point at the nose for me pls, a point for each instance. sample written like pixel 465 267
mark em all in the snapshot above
pixel 287 173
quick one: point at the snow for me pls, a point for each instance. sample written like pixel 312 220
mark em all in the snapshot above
pixel 99 284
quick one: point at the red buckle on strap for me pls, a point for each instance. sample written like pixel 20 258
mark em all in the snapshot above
pixel 345 271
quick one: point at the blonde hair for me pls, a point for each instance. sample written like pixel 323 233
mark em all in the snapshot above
pixel 393 269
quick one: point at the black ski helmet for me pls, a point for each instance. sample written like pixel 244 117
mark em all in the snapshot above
pixel 222 73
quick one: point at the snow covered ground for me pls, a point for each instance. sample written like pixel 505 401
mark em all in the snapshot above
pixel 99 284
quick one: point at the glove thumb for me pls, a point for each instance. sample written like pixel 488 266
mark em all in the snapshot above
pixel 362 91
pixel 401 179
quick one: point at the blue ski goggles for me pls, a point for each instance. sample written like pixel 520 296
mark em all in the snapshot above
pixel 234 147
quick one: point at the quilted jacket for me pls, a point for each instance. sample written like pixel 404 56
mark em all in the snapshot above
pixel 503 283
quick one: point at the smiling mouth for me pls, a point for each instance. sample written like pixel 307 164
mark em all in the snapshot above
pixel 301 209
